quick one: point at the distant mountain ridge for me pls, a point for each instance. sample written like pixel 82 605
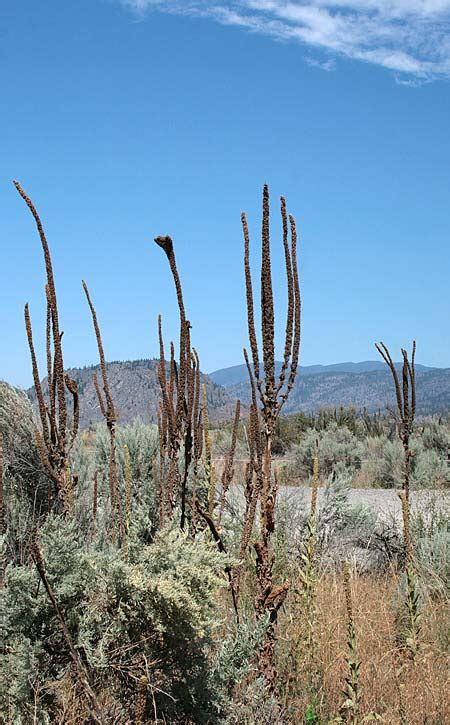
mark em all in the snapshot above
pixel 135 389
pixel 227 377
pixel 372 390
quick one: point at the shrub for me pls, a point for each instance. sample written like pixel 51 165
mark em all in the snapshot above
pixel 152 615
pixel 24 472
pixel 336 445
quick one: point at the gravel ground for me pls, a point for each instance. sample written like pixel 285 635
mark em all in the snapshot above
pixel 385 501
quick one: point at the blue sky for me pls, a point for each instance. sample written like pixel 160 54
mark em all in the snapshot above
pixel 124 120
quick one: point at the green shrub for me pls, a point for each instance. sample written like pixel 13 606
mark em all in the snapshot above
pixel 153 614
pixel 336 445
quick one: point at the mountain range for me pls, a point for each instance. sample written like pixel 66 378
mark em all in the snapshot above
pixel 227 377
pixel 369 388
pixel 135 389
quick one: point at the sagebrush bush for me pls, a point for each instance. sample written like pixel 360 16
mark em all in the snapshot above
pixel 24 472
pixel 152 615
pixel 336 445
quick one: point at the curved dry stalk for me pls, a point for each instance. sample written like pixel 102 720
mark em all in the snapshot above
pixel 111 416
pixel 180 422
pixel 57 335
pixel 52 443
pixel 291 299
pixel 296 301
pixel 228 471
pixel 109 413
pixel 166 243
pixel 406 403
pixel 36 378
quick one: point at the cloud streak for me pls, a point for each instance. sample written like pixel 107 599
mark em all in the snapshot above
pixel 409 37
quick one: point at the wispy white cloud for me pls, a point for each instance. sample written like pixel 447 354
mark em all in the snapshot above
pixel 328 64
pixel 409 37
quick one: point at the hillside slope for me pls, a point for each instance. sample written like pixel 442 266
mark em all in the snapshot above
pixel 135 392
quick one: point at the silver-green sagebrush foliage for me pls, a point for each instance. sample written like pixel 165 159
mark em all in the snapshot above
pixel 153 615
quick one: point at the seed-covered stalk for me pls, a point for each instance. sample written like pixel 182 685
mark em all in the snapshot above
pixel 180 420
pixel 405 394
pixel 141 701
pixel 409 635
pixel 109 413
pixel 53 438
pixel 351 704
pixel 128 486
pixel 308 576
pixel 207 452
pixel 273 394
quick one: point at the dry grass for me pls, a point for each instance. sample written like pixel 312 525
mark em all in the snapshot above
pixel 412 694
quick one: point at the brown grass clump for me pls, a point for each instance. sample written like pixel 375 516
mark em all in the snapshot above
pixel 421 697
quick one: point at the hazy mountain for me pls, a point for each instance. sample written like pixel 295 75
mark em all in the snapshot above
pixel 135 391
pixel 228 377
pixel 372 390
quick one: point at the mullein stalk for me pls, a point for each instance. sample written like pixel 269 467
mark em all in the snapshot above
pixel 128 486
pixel 273 395
pixel 308 576
pixel 351 706
pixel 141 701
pixel 128 496
pixel 110 414
pixel 207 451
pixel 53 438
pixel 405 394
pixel 410 636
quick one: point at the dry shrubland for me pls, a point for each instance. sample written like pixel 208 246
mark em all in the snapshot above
pixel 135 591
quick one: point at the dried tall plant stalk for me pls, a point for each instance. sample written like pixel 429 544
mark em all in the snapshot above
pixel 180 413
pixel 109 413
pixel 141 700
pixel 95 499
pixel 351 705
pixel 405 395
pixel 261 484
pixel 228 470
pixel 309 579
pixel 54 439
pixel 406 409
pixel 210 473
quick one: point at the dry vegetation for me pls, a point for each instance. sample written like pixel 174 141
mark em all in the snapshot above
pixel 133 593
pixel 423 685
